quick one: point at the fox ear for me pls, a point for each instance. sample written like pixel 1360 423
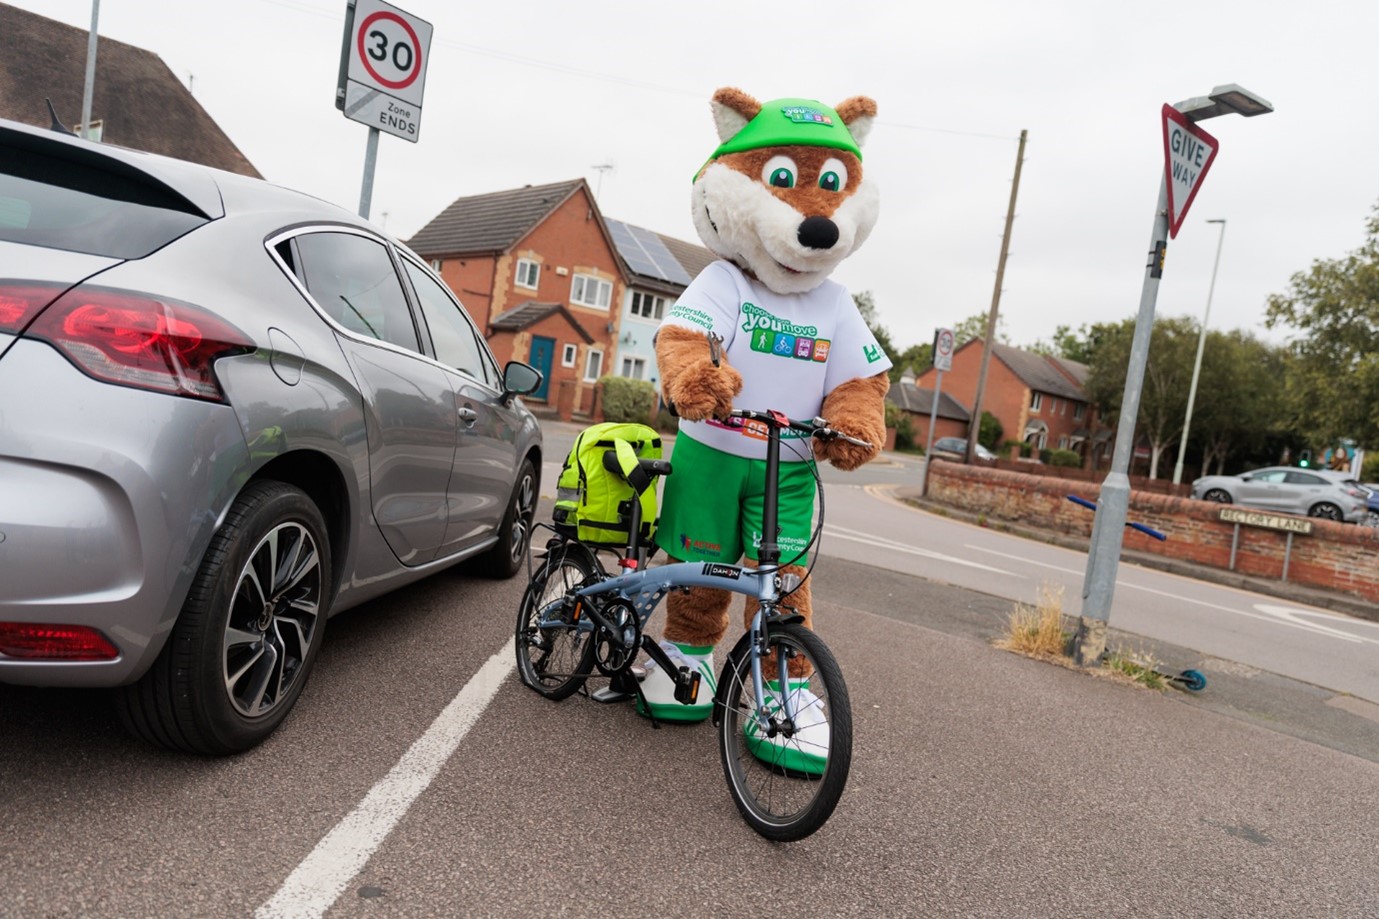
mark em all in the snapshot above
pixel 857 113
pixel 732 109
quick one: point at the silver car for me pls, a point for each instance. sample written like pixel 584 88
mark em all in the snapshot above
pixel 227 412
pixel 1313 492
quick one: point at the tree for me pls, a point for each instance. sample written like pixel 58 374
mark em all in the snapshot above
pixel 1167 378
pixel 975 327
pixel 1236 410
pixel 1332 381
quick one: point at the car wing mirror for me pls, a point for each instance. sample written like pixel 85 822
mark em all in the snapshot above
pixel 520 379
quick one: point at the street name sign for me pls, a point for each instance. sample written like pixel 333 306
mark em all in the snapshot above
pixel 383 68
pixel 1188 153
pixel 1268 521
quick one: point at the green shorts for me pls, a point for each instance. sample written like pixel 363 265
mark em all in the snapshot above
pixel 711 506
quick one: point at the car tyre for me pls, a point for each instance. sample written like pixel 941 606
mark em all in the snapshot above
pixel 244 643
pixel 1218 496
pixel 1325 511
pixel 514 541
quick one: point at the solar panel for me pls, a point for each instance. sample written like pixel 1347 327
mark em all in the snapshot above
pixel 645 254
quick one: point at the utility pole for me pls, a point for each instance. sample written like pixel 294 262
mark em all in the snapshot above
pixel 975 426
pixel 90 89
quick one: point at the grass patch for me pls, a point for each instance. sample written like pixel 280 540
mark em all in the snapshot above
pixel 1038 630
pixel 1137 668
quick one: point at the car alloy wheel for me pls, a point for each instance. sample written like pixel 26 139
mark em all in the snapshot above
pixel 274 612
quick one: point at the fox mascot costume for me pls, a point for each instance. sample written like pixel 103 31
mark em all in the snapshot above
pixel 781 202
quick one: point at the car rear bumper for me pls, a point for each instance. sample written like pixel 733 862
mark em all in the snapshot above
pixel 108 498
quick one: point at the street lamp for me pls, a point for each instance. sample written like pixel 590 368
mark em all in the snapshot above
pixel 1197 364
pixel 1108 528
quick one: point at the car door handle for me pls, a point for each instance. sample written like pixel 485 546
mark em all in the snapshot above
pixel 468 416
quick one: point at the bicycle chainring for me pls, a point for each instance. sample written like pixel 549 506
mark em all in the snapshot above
pixel 616 649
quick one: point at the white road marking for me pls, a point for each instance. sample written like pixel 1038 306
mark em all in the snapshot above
pixel 837 532
pixel 1267 612
pixel 320 879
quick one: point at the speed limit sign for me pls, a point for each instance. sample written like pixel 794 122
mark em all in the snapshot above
pixel 383 68
pixel 943 350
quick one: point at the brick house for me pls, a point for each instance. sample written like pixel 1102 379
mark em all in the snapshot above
pixel 552 282
pixel 1037 398
pixel 539 273
pixel 137 102
pixel 951 419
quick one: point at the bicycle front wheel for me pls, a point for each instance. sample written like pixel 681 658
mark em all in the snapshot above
pixel 787 764
pixel 554 656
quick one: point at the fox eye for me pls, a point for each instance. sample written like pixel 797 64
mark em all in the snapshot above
pixel 779 172
pixel 833 176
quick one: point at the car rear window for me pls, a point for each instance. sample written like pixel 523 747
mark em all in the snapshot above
pixel 79 207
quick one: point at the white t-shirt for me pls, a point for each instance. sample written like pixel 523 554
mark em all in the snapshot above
pixel 791 349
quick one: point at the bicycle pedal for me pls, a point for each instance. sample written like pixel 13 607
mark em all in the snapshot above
pixel 687 686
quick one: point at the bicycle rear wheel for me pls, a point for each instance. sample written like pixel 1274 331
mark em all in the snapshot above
pixel 554 657
pixel 786 779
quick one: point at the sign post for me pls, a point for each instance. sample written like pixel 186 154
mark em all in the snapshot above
pixel 943 362
pixel 382 76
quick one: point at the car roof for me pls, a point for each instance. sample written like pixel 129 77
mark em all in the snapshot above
pixel 214 192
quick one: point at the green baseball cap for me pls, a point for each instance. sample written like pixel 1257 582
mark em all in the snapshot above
pixel 789 122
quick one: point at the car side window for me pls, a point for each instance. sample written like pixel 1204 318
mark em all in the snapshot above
pixel 456 342
pixel 1276 476
pixel 354 281
pixel 1303 478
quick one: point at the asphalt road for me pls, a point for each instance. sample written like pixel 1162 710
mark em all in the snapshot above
pixel 418 778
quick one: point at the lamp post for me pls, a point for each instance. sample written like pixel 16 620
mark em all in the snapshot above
pixel 1108 528
pixel 1197 364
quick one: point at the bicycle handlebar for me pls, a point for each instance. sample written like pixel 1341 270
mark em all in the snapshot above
pixel 814 427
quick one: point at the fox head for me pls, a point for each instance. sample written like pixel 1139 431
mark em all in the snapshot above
pixel 783 195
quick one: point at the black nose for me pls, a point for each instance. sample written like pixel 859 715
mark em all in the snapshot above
pixel 818 233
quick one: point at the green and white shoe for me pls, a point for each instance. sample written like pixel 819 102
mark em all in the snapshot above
pixel 806 751
pixel 658 688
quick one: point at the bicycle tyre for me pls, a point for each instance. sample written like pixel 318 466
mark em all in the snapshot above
pixel 776 799
pixel 555 661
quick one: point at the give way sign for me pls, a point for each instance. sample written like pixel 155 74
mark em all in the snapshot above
pixel 1188 152
pixel 383 68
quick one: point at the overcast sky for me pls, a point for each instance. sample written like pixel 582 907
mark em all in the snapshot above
pixel 546 90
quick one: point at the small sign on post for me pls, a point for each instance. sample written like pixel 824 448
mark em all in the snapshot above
pixel 1188 153
pixel 943 350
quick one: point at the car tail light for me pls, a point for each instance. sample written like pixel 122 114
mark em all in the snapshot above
pixel 20 303
pixel 38 641
pixel 140 340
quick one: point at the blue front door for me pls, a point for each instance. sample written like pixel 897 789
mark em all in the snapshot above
pixel 542 350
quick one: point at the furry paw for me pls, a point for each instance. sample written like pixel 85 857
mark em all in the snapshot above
pixel 846 456
pixel 702 390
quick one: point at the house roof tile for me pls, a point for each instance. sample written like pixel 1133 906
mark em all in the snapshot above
pixel 140 103
pixel 492 222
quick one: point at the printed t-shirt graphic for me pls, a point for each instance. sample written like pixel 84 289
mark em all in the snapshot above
pixel 791 349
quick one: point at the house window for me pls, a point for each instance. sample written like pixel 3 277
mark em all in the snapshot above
pixel 567 356
pixel 587 290
pixel 634 367
pixel 436 265
pixel 647 306
pixel 1063 442
pixel 528 273
pixel 593 366
pixel 1079 410
pixel 1035 401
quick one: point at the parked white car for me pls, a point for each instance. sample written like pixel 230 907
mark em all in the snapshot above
pixel 1313 492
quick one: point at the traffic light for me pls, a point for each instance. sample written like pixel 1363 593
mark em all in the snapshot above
pixel 1305 458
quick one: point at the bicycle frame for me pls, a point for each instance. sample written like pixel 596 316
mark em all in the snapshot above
pixel 644 588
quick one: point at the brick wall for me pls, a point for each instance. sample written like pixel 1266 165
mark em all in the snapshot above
pixel 1335 556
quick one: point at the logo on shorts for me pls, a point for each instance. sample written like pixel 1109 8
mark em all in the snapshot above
pixel 699 546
